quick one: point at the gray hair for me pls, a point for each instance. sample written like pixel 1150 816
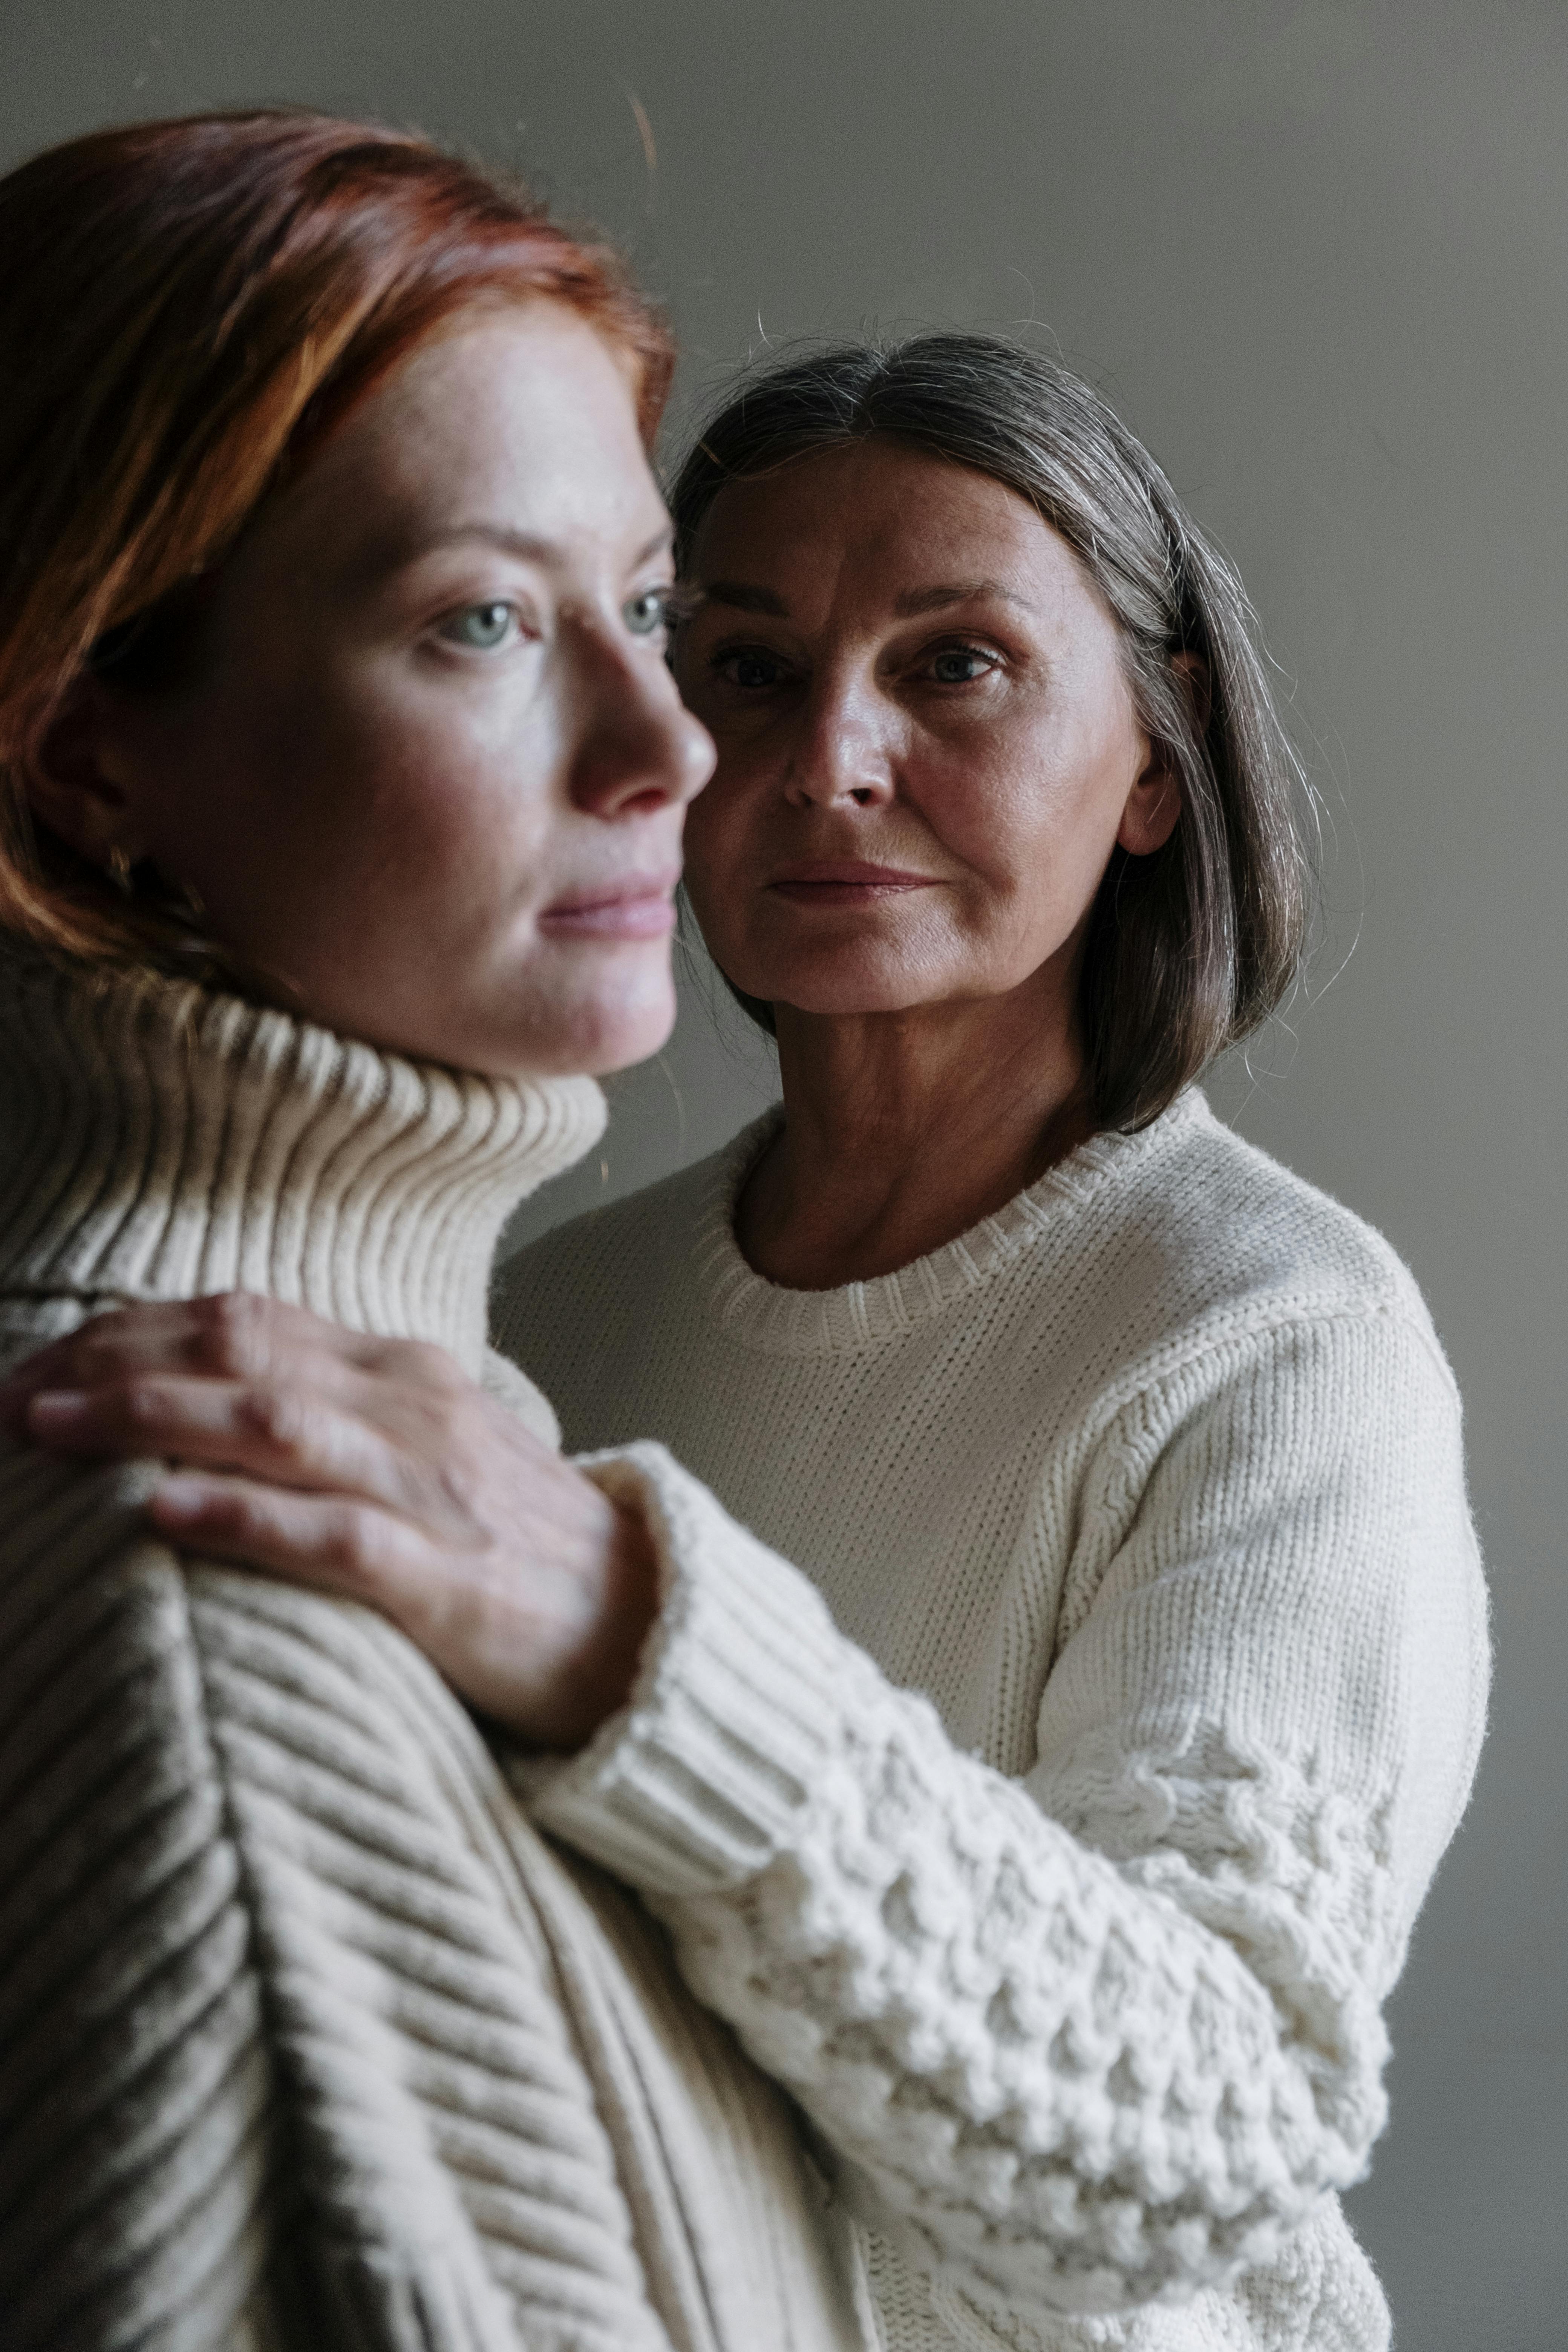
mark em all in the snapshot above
pixel 1192 946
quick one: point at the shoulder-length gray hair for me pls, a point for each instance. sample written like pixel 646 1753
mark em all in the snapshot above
pixel 1188 948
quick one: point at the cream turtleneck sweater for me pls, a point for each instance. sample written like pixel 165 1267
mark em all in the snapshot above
pixel 309 2040
pixel 1071 1669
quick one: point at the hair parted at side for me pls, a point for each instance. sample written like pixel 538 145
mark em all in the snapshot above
pixel 187 308
pixel 1191 947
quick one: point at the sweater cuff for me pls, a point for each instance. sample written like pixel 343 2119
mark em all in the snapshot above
pixel 698 1781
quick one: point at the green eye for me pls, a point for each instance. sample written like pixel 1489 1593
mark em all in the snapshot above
pixel 484 626
pixel 645 614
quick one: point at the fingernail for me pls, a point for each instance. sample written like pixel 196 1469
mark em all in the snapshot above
pixel 179 1498
pixel 58 1410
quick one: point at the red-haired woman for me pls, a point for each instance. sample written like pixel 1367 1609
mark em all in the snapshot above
pixel 342 782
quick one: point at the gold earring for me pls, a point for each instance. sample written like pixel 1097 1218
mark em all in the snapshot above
pixel 120 872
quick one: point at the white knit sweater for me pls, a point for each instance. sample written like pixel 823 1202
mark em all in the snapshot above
pixel 1055 1827
pixel 309 2042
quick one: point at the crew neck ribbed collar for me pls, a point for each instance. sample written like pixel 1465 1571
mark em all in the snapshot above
pixel 765 1316
pixel 158 1141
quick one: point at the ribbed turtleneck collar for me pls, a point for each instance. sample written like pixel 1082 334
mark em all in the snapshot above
pixel 160 1141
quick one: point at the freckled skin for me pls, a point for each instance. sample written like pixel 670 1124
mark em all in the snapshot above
pixel 431 726
pixel 400 749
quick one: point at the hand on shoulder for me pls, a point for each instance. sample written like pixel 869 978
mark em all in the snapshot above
pixel 370 1468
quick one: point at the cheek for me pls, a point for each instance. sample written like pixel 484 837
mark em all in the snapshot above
pixel 998 805
pixel 1034 826
pixel 436 795
pixel 719 836
pixel 272 768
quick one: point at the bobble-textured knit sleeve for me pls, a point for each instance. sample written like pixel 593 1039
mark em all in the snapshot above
pixel 1099 2036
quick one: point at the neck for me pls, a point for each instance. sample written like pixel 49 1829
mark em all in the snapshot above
pixel 902 1130
pixel 161 1141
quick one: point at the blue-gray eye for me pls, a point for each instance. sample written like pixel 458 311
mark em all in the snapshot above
pixel 961 666
pixel 645 614
pixel 484 626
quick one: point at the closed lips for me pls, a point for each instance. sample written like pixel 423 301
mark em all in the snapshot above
pixel 634 911
pixel 840 883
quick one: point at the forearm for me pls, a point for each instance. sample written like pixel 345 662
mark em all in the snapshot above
pixel 1065 2085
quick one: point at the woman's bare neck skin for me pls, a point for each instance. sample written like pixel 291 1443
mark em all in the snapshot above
pixel 903 1130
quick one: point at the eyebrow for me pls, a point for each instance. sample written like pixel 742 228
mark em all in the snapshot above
pixel 956 592
pixel 742 597
pixel 526 544
pixel 523 542
pixel 746 596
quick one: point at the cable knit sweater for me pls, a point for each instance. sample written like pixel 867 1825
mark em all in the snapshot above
pixel 308 2042
pixel 1054 1826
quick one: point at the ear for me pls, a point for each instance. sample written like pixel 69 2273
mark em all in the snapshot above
pixel 1153 807
pixel 1156 802
pixel 82 783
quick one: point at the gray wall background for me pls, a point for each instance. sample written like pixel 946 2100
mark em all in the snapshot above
pixel 1316 253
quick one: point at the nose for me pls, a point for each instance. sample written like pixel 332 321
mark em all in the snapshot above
pixel 843 756
pixel 638 748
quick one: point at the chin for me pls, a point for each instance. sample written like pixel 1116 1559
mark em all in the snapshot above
pixel 574 1015
pixel 842 986
pixel 596 1038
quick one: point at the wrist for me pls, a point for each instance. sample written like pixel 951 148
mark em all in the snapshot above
pixel 621 1592
pixel 736 1714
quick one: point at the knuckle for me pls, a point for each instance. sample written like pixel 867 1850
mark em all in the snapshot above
pixel 142 1403
pixel 94 1350
pixel 232 1334
pixel 276 1415
pixel 231 1513
pixel 426 1366
pixel 94 1356
pixel 350 1544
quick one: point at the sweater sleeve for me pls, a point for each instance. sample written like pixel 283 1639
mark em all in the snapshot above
pixel 1103 2035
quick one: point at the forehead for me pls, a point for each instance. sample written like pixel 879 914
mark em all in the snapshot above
pixel 882 510
pixel 522 419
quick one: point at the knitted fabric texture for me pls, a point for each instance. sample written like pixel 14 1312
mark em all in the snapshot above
pixel 1072 1670
pixel 308 2038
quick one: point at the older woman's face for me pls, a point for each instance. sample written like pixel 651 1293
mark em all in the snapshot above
pixel 927 746
pixel 432 772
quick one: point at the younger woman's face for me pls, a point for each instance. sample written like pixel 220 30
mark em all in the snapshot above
pixel 927 745
pixel 431 772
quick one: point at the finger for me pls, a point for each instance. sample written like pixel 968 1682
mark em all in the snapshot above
pixel 286 1436
pixel 238 1335
pixel 232 1335
pixel 142 1334
pixel 325 1542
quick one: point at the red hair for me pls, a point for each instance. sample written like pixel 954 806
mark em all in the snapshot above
pixel 186 309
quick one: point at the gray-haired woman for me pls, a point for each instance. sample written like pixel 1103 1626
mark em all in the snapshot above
pixel 1068 1660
